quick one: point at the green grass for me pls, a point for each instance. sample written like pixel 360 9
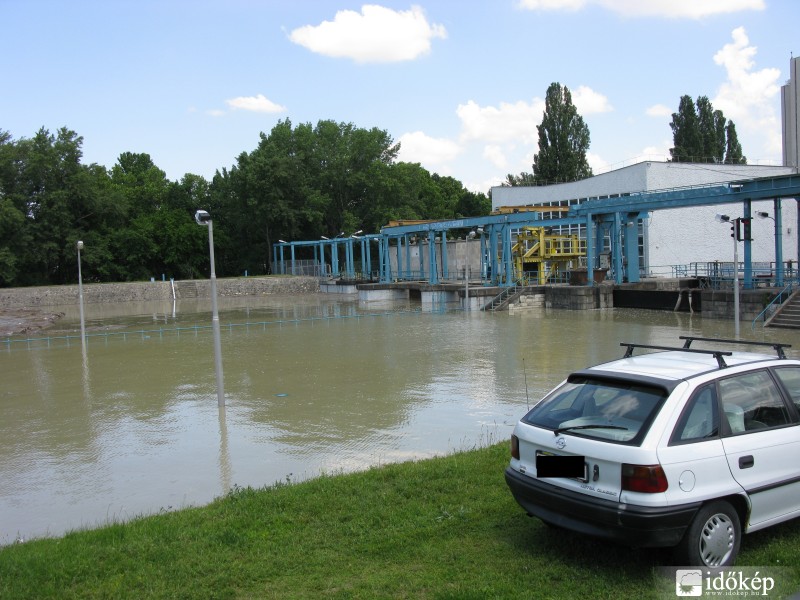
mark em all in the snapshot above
pixel 440 528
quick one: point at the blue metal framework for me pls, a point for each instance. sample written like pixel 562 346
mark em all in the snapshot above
pixel 334 268
pixel 627 210
pixel 618 218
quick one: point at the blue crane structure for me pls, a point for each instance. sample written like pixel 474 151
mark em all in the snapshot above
pixel 615 217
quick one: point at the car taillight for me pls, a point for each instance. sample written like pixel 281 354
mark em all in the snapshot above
pixel 649 479
pixel 515 447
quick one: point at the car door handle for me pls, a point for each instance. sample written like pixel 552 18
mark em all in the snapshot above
pixel 745 462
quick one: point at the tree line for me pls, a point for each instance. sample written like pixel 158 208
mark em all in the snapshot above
pixel 699 134
pixel 300 183
pixel 702 134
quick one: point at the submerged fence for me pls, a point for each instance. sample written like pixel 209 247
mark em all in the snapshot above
pixel 146 334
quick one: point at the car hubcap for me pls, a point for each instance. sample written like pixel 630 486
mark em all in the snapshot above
pixel 716 540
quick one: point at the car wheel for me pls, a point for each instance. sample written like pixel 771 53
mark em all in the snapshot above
pixel 713 537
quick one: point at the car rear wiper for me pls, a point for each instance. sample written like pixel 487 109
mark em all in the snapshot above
pixel 563 429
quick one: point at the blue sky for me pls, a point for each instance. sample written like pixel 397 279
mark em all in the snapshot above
pixel 460 84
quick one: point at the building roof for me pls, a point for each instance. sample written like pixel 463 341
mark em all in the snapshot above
pixel 641 177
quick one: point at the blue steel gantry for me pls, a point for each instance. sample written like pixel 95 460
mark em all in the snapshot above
pixel 321 265
pixel 615 218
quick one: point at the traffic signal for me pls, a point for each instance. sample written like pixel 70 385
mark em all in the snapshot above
pixel 743 228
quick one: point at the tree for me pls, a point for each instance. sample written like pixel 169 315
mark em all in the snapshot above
pixel 300 183
pixel 733 149
pixel 523 178
pixel 711 126
pixel 702 134
pixel 60 200
pixel 685 132
pixel 563 140
pixel 12 213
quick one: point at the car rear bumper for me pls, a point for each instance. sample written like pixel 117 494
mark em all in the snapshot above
pixel 640 526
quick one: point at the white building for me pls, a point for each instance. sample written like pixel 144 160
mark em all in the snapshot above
pixel 790 113
pixel 676 237
pixel 680 237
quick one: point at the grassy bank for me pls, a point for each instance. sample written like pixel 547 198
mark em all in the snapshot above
pixel 440 528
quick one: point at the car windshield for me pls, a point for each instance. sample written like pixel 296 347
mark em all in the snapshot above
pixel 618 411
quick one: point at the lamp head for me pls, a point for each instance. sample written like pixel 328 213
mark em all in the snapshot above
pixel 202 217
pixel 79 245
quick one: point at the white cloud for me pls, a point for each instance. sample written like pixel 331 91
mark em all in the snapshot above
pixel 255 104
pixel 215 112
pixel 659 110
pixel 552 4
pixel 657 152
pixel 597 163
pixel 747 96
pixel 377 34
pixel 587 101
pixel 428 151
pixel 500 124
pixel 483 186
pixel 495 155
pixel 509 131
pixel 676 9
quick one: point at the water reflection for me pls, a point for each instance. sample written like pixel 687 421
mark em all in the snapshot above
pixel 129 424
pixel 225 469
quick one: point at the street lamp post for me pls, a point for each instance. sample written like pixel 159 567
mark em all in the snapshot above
pixel 734 224
pixel 203 218
pixel 778 226
pixel 79 246
pixel 470 236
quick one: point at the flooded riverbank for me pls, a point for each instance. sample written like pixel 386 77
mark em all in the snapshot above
pixel 130 426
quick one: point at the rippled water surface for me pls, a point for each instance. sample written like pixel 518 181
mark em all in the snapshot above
pixel 129 425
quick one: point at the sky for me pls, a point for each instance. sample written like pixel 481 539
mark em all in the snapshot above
pixel 460 84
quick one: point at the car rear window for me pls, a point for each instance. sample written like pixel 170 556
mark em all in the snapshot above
pixel 613 410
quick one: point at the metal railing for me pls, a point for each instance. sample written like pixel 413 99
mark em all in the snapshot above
pixel 773 305
pixel 720 274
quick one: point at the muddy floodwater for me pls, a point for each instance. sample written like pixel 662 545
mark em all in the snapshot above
pixel 128 424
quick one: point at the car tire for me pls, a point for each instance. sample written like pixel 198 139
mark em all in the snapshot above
pixel 713 537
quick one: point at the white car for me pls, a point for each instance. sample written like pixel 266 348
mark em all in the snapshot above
pixel 685 447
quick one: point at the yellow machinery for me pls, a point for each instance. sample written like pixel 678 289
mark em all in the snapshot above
pixel 505 210
pixel 540 256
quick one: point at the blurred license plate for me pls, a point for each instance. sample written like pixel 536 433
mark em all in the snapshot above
pixel 554 465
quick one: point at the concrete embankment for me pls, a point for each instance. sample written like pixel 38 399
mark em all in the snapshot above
pixel 143 291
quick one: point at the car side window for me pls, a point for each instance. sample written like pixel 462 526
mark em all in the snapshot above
pixel 752 401
pixel 790 378
pixel 700 418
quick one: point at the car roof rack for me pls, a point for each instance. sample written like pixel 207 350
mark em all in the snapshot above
pixel 718 354
pixel 777 347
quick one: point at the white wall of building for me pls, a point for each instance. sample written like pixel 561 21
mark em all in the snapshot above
pixel 641 177
pixel 684 236
pixel 677 236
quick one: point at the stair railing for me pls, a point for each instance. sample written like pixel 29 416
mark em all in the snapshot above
pixel 504 295
pixel 776 300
